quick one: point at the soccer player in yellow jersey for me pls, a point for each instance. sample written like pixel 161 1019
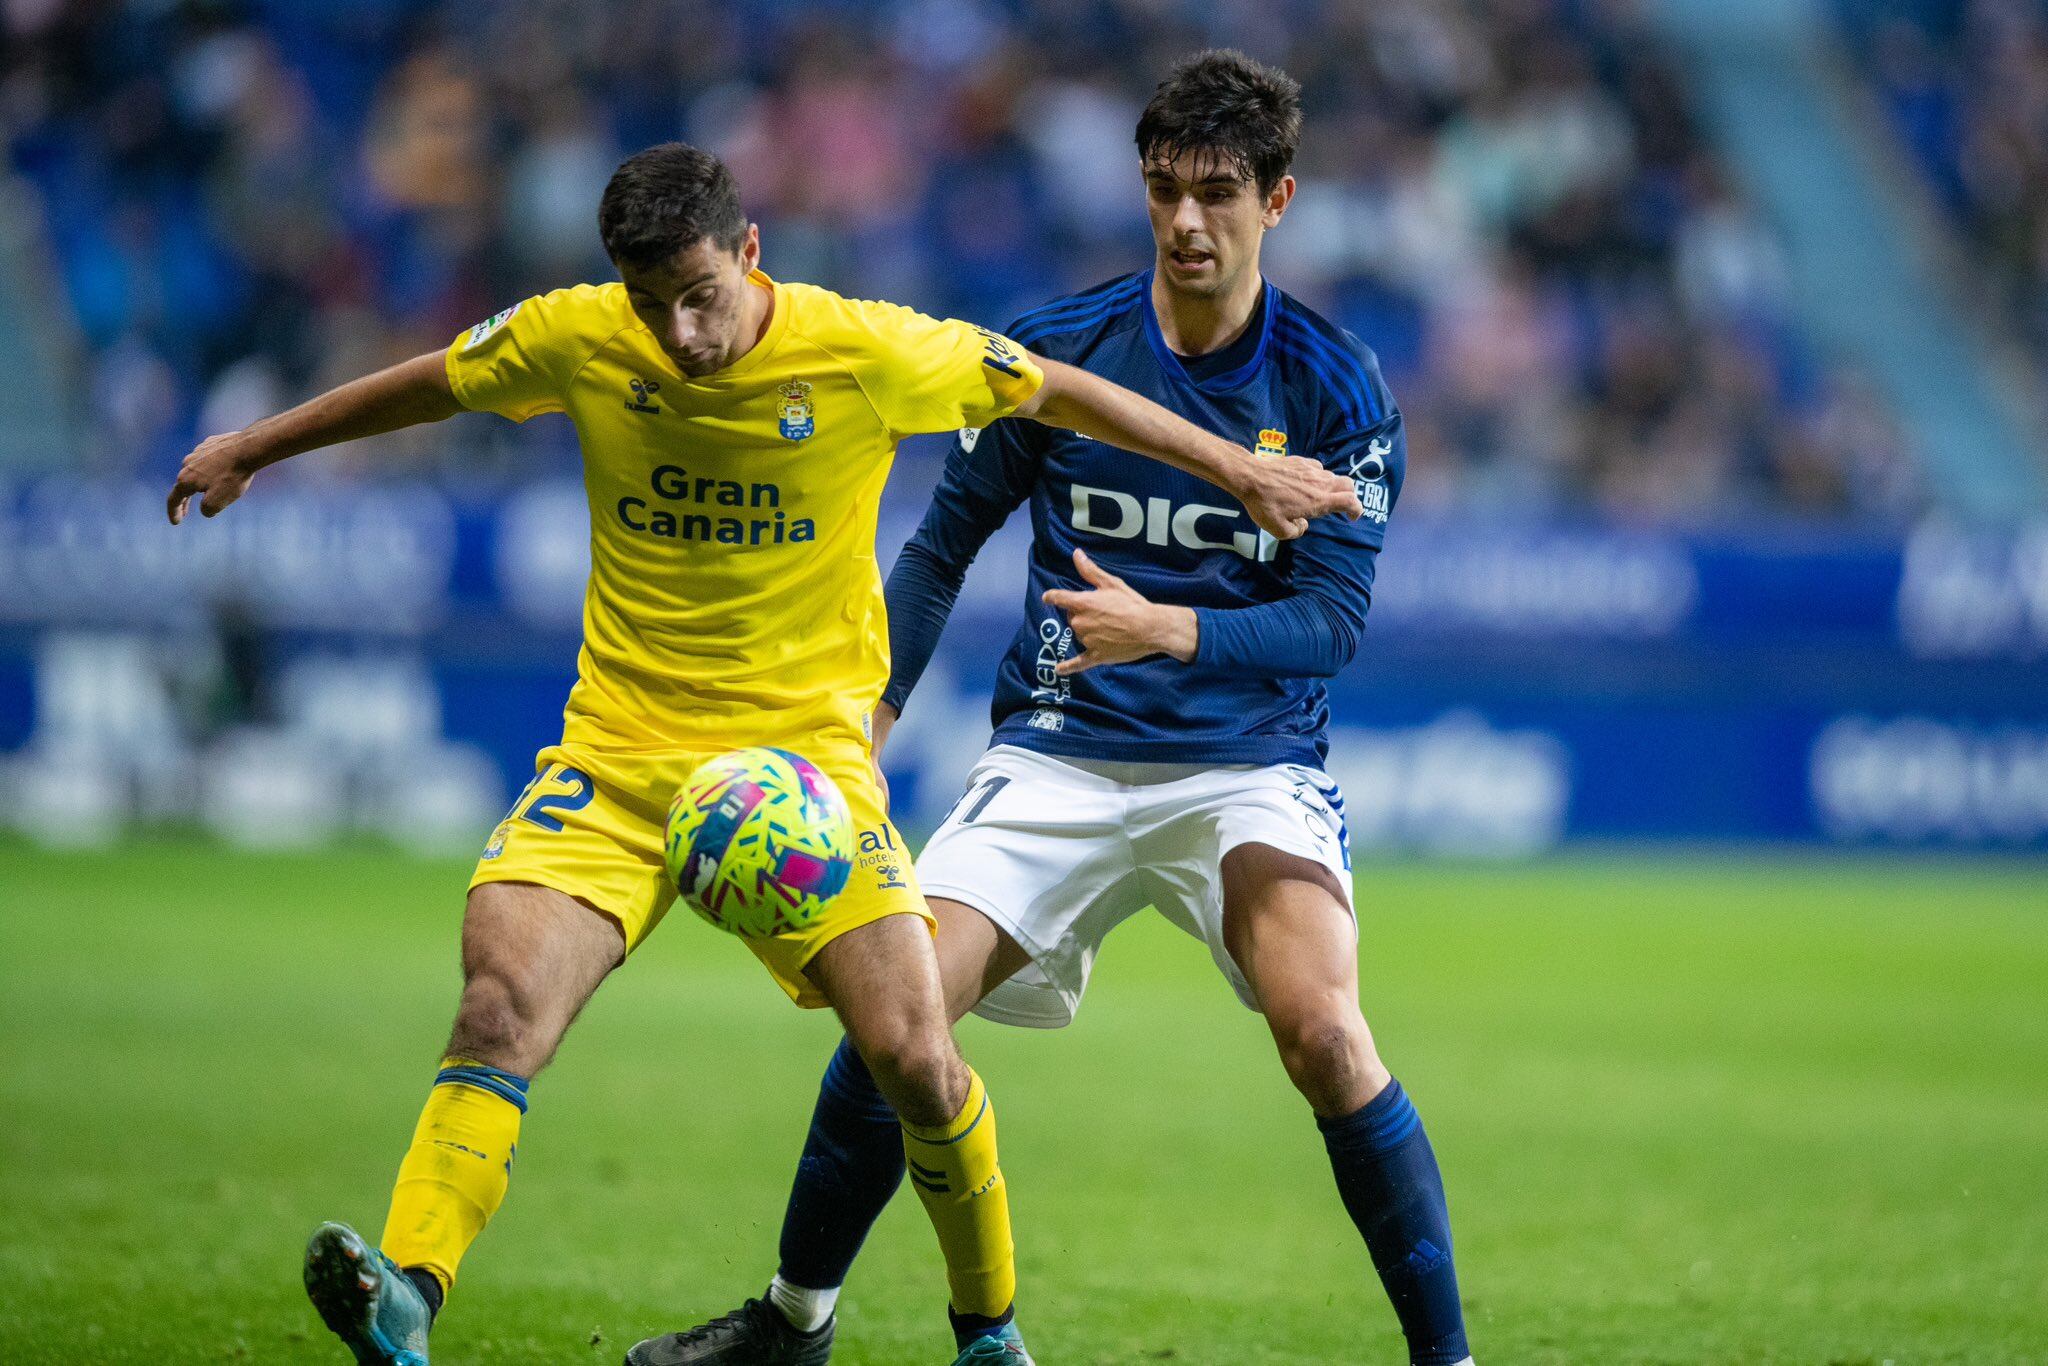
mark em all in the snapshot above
pixel 736 434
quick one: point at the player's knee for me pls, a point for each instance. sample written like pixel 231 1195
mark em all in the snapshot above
pixel 491 1027
pixel 1330 1059
pixel 920 1072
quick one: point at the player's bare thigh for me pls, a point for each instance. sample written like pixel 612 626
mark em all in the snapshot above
pixel 1286 925
pixel 975 956
pixel 883 980
pixel 531 958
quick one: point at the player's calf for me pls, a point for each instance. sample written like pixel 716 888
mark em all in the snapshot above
pixel 1294 939
pixel 531 957
pixel 883 979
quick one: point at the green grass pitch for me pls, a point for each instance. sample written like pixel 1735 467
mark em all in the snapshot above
pixel 1739 1110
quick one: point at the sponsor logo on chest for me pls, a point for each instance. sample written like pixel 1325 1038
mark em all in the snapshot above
pixel 687 507
pixel 1121 516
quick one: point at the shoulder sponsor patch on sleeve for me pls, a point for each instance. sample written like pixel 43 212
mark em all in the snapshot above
pixel 1368 477
pixel 1000 353
pixel 488 326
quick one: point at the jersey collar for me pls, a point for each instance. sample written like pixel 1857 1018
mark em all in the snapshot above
pixel 1215 384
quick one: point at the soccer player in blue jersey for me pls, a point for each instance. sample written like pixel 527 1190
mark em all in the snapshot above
pixel 1159 717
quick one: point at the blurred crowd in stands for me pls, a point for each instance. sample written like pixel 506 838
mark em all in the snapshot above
pixel 1510 200
pixel 1965 83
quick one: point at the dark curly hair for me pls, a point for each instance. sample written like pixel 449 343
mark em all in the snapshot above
pixel 666 199
pixel 1225 104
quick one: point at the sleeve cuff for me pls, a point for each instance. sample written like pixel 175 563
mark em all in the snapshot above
pixel 454 373
pixel 1205 638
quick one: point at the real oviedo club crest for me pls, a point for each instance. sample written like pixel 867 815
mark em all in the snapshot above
pixel 797 418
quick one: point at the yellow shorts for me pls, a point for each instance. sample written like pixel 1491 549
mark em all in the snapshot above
pixel 590 824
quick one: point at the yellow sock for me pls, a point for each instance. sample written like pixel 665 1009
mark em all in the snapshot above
pixel 454 1175
pixel 955 1172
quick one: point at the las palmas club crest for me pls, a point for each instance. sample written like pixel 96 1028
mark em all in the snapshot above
pixel 798 419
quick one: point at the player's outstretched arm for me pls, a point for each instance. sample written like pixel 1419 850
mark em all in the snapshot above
pixel 1281 495
pixel 403 395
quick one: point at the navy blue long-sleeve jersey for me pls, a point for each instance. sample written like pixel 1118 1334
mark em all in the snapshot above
pixel 1275 618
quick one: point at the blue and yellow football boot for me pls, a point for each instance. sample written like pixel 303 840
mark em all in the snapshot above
pixel 366 1299
pixel 1003 1347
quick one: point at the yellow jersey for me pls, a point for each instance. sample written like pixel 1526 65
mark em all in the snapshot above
pixel 733 596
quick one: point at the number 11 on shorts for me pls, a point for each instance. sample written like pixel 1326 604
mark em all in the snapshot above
pixel 977 798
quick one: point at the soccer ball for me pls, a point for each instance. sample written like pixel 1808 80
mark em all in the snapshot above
pixel 759 841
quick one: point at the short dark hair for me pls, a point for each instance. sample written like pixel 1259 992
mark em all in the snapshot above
pixel 666 199
pixel 1223 103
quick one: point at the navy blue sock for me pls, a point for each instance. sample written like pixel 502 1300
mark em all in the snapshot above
pixel 852 1164
pixel 1388 1178
pixel 968 1327
pixel 429 1287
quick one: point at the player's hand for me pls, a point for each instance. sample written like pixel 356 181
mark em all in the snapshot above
pixel 1115 623
pixel 1284 494
pixel 218 471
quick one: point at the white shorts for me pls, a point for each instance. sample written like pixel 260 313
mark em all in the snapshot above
pixel 1059 852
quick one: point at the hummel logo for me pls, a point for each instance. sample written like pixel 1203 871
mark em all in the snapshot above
pixel 643 395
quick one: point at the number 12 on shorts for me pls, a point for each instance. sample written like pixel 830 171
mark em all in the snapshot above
pixel 534 805
pixel 976 798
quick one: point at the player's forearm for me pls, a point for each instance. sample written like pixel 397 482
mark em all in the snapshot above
pixel 1080 402
pixel 920 594
pixel 403 395
pixel 219 469
pixel 1303 636
pixel 1282 496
